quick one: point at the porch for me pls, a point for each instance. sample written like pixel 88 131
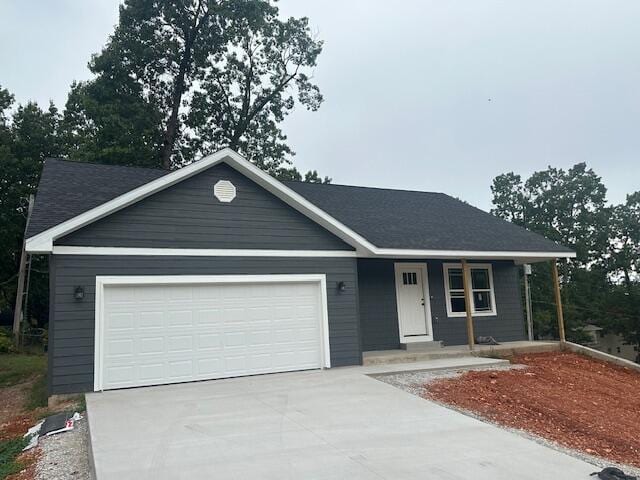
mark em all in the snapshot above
pixel 410 308
pixel 436 352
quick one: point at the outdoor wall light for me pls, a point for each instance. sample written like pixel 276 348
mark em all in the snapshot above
pixel 78 293
pixel 342 286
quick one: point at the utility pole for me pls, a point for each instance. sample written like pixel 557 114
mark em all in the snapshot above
pixel 17 314
pixel 527 299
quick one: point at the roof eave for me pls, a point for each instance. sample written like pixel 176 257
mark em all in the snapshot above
pixel 516 256
pixel 43 241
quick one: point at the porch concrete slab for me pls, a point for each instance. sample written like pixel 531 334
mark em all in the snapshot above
pixel 506 349
pixel 331 424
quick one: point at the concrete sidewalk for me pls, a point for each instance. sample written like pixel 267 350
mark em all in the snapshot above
pixel 332 424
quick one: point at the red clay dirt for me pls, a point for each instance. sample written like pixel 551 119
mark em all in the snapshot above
pixel 576 401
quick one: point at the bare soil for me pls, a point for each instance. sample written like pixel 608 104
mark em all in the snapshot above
pixel 13 400
pixel 578 402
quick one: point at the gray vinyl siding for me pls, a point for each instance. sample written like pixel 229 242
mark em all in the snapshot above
pixel 378 307
pixel 187 215
pixel 379 316
pixel 72 322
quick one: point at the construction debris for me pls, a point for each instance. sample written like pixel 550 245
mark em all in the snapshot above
pixel 58 423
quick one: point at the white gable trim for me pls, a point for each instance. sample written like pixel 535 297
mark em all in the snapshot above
pixel 43 242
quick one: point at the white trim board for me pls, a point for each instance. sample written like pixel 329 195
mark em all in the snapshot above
pixel 105 281
pixel 519 257
pixel 199 252
pixel 43 242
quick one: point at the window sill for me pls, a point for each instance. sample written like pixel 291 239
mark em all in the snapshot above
pixel 473 314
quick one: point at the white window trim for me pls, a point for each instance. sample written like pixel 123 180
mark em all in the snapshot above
pixel 103 281
pixel 494 308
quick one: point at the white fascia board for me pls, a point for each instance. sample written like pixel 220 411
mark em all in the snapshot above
pixel 518 257
pixel 200 252
pixel 469 254
pixel 43 242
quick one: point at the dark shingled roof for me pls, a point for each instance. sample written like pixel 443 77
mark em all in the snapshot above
pixel 68 189
pixel 420 220
pixel 387 218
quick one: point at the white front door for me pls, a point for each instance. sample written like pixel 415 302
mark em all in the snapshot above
pixel 412 293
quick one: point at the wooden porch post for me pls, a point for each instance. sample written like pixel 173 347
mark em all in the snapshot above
pixel 556 285
pixel 467 303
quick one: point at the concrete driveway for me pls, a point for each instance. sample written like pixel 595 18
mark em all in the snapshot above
pixel 331 424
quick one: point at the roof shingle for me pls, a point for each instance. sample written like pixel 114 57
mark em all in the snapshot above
pixel 387 218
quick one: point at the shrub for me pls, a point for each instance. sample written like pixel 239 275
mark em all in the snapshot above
pixel 6 341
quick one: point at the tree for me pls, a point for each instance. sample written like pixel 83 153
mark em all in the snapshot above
pixel 27 136
pixel 569 207
pixel 108 121
pixel 180 79
pixel 624 244
pixel 623 264
pixel 510 200
pixel 246 92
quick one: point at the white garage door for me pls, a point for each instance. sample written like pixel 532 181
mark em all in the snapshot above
pixel 157 334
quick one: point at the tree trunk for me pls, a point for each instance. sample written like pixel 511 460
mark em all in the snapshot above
pixel 170 133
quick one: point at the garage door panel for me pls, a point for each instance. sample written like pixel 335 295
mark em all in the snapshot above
pixel 156 334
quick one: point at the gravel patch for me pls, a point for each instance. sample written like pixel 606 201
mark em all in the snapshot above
pixel 417 382
pixel 65 455
pixel 414 382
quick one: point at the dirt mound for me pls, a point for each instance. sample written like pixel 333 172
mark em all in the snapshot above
pixel 576 401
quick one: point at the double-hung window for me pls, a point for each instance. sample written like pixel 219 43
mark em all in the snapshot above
pixel 481 284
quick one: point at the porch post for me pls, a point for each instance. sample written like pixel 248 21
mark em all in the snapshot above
pixel 467 302
pixel 556 285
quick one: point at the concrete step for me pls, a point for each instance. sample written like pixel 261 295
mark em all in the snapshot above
pixel 382 357
pixel 421 346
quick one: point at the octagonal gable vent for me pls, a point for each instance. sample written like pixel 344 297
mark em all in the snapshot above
pixel 224 190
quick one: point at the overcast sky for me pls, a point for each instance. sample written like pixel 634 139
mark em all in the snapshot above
pixel 427 95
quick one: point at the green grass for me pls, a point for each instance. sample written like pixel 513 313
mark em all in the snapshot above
pixel 38 395
pixel 18 368
pixel 9 451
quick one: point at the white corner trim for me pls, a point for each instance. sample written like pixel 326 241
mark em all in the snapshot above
pixel 200 252
pixel 445 274
pixel 43 242
pixel 104 281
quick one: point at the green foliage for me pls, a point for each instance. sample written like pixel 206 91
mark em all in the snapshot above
pixel 601 284
pixel 108 121
pixel 312 176
pixel 178 80
pixel 18 368
pixel 7 344
pixel 251 84
pixel 9 451
pixel 28 135
pixel 38 397
pixel 567 206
